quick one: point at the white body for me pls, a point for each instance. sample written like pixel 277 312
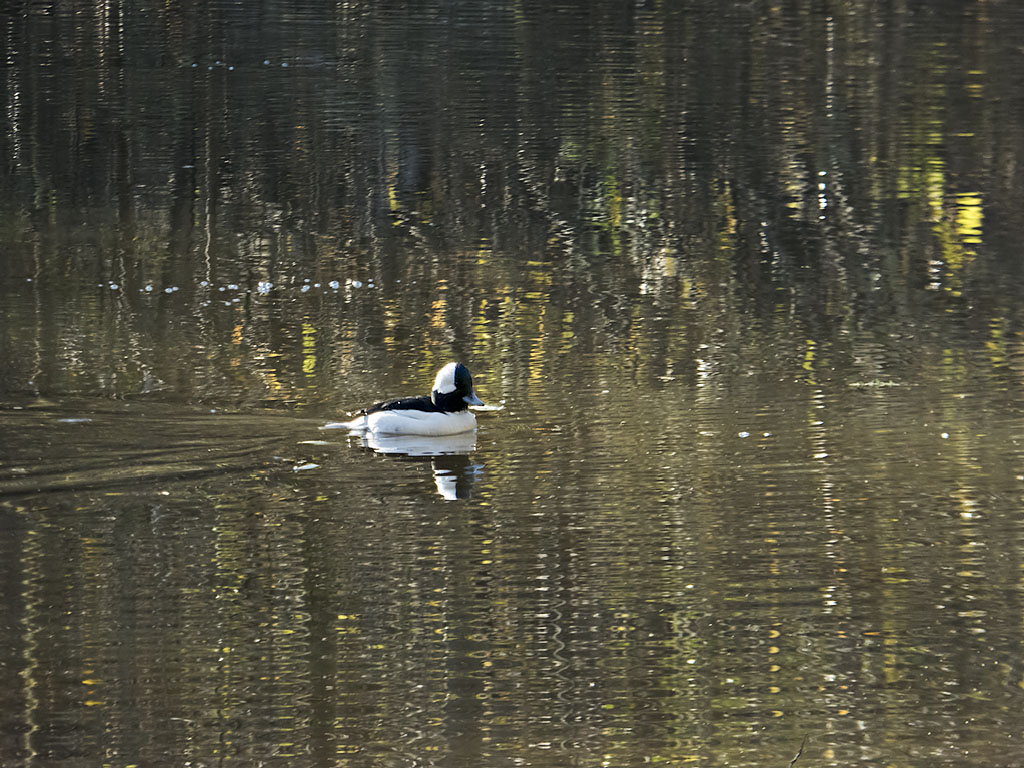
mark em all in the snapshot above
pixel 412 422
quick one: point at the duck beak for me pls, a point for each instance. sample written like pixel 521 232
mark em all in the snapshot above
pixel 472 399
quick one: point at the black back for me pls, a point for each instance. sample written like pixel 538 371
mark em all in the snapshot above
pixel 424 404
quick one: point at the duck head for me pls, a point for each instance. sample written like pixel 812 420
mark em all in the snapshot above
pixel 453 388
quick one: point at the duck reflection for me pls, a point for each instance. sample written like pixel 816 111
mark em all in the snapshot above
pixel 455 474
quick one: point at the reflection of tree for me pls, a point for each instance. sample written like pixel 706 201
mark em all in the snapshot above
pixel 658 148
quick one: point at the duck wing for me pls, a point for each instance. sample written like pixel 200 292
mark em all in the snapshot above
pixel 424 404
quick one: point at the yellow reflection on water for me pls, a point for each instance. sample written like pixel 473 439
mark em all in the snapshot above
pixel 969 217
pixel 308 348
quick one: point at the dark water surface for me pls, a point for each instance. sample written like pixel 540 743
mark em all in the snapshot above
pixel 742 283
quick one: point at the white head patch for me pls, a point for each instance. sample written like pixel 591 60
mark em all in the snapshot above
pixel 445 381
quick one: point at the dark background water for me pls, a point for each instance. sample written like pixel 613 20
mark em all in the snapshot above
pixel 744 280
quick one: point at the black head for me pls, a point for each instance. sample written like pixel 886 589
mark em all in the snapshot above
pixel 453 388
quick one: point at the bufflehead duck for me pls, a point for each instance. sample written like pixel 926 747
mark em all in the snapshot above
pixel 444 412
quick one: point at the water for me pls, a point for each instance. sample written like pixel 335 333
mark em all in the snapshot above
pixel 739 283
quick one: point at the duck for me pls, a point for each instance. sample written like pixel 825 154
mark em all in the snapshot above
pixel 444 412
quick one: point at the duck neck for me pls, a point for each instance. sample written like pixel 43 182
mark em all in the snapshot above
pixel 450 402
